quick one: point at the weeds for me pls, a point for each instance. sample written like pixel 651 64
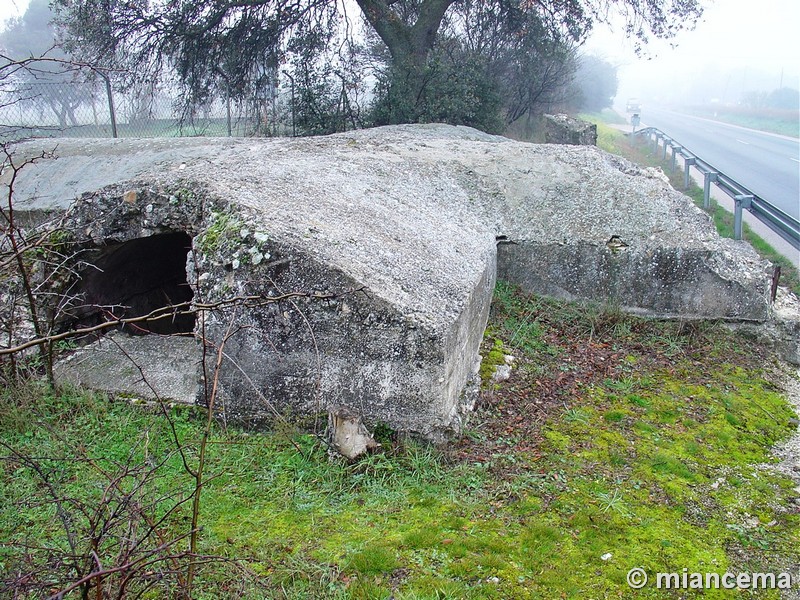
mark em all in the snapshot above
pixel 577 415
pixel 637 450
pixel 612 501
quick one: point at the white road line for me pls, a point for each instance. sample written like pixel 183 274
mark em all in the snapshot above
pixel 794 159
pixel 741 142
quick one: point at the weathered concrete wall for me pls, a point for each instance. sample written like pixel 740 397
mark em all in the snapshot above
pixel 640 281
pixel 563 129
pixel 406 362
pixel 399 226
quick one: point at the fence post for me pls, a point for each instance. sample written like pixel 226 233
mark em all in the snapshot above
pixel 708 177
pixel 741 202
pixel 688 162
pixel 111 112
pixel 667 144
pixel 655 140
pixel 228 113
pixel 675 150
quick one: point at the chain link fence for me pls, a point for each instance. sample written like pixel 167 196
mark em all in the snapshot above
pixel 66 108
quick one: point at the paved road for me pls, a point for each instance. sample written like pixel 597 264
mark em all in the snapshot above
pixel 767 164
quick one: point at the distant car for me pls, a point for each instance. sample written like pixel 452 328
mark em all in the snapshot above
pixel 633 106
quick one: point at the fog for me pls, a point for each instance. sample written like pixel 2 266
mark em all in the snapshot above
pixel 739 46
pixel 10 9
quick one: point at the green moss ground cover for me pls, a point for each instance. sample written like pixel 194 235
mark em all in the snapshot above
pixel 615 435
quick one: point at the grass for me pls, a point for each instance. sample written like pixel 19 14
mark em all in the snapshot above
pixel 783 122
pixel 639 151
pixel 615 435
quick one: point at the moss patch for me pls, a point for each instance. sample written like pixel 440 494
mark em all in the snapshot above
pixel 493 354
pixel 634 440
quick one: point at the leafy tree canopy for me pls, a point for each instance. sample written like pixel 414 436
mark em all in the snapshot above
pixel 235 46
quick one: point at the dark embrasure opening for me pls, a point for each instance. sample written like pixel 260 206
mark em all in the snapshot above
pixel 134 278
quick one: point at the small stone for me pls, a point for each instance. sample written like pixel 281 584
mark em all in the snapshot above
pixel 493 580
pixel 751 522
pixel 502 373
pixel 347 432
pixel 606 556
pixel 261 237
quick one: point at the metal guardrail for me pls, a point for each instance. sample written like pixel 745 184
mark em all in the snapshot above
pixel 773 217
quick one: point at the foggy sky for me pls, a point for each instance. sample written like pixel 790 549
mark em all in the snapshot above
pixel 739 46
pixel 11 8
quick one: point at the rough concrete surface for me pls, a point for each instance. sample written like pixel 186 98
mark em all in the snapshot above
pixel 400 225
pixel 563 129
pixel 789 451
pixel 117 362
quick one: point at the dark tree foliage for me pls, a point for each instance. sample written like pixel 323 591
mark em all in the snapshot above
pixel 508 49
pixel 488 69
pixel 212 46
pixel 457 87
pixel 532 57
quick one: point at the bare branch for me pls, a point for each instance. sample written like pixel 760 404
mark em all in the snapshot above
pixel 166 312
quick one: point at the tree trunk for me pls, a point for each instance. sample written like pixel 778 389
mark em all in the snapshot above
pixel 405 98
pixel 409 46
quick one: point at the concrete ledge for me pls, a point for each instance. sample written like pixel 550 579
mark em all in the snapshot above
pixel 668 282
pixel 115 363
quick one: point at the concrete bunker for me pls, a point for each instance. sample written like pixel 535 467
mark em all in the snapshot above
pixel 136 278
pixel 398 229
